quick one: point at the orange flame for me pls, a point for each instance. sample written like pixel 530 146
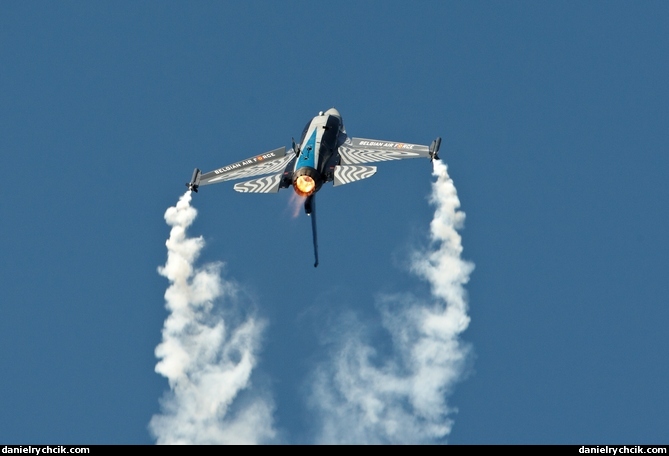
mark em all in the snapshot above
pixel 305 185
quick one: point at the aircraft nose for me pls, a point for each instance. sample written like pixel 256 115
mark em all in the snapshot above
pixel 333 112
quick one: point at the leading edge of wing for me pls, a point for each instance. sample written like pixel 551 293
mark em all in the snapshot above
pixel 269 162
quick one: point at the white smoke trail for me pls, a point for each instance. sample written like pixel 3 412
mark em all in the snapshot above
pixel 207 361
pixel 363 397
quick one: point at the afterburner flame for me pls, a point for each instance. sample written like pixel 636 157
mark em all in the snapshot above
pixel 296 203
pixel 305 185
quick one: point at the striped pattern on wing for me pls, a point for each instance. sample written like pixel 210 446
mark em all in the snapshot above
pixel 256 170
pixel 350 173
pixel 359 150
pixel 267 184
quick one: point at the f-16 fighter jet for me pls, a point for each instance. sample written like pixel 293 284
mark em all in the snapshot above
pixel 324 154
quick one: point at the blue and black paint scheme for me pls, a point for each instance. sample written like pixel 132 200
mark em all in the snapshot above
pixel 317 154
pixel 323 154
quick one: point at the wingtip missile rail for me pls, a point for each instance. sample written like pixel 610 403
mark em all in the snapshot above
pixel 194 183
pixel 434 149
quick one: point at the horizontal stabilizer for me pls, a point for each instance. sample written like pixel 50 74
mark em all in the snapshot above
pixel 350 173
pixel 267 184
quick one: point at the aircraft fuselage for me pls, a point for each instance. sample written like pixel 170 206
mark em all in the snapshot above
pixel 318 152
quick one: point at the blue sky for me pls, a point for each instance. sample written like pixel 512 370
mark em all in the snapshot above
pixel 554 121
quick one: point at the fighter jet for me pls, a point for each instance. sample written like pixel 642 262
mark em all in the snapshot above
pixel 325 153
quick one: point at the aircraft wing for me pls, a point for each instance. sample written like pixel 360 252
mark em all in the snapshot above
pixel 360 150
pixel 269 162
